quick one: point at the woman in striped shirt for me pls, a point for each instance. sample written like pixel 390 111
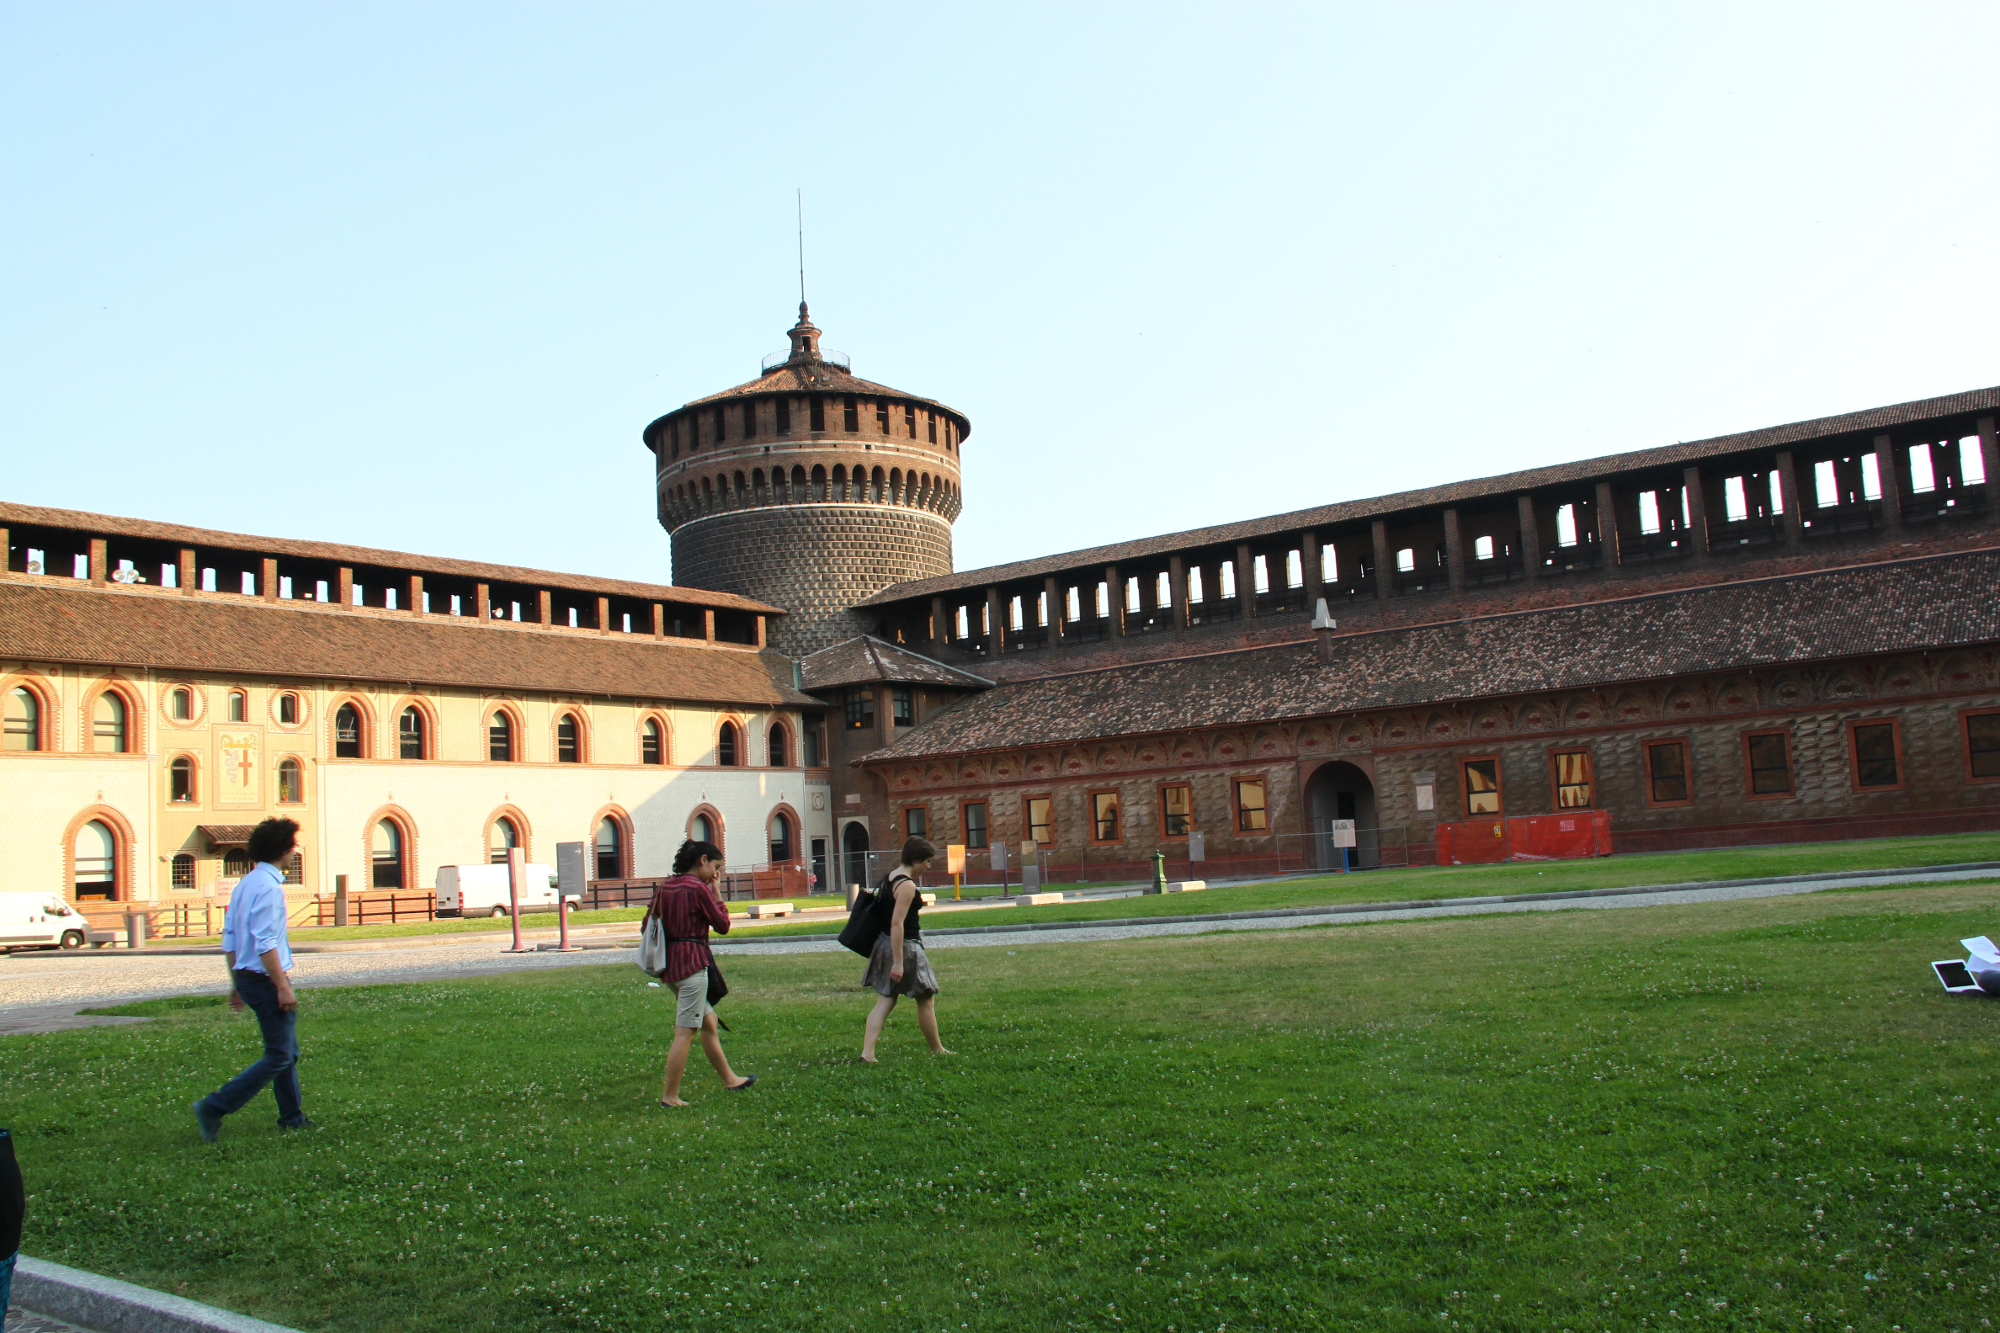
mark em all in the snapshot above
pixel 687 906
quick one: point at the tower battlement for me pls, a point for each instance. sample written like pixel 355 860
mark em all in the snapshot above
pixel 809 488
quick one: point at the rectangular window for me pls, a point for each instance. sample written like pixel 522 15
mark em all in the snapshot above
pixel 1107 822
pixel 910 420
pixel 903 707
pixel 810 745
pixel 850 414
pixel 1767 758
pixel 881 418
pixel 1042 820
pixel 931 417
pixel 1482 548
pixel 718 439
pixel 784 416
pixel 1877 752
pixel 916 821
pixel 816 412
pixel 1982 745
pixel 860 709
pixel 1481 779
pixel 1735 501
pixel 749 419
pixel 975 824
pixel 1667 780
pixel 1251 816
pixel 1176 810
pixel 1573 779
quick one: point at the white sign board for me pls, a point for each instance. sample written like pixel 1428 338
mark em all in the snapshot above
pixel 1343 833
pixel 570 869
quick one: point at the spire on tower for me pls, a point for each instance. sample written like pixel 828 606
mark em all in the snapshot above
pixel 805 337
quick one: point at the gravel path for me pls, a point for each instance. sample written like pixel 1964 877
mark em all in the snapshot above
pixel 41 992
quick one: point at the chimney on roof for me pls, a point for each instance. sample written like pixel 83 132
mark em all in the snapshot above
pixel 1323 627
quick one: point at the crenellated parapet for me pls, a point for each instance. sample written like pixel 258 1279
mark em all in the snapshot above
pixel 811 484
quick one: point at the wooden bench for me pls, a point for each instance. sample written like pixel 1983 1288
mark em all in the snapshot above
pixel 755 910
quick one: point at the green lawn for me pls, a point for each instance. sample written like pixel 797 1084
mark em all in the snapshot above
pixel 1477 881
pixel 1726 1116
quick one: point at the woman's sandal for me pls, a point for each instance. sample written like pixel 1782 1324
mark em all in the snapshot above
pixel 747 1081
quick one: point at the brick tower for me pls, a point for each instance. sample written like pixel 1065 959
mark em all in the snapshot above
pixel 808 488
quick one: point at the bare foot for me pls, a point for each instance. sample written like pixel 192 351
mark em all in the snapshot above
pixel 942 1051
pixel 675 1102
pixel 868 1059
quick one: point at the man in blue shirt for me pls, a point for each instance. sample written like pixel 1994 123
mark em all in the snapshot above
pixel 259 955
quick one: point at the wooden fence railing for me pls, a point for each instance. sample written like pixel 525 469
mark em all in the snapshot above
pixel 377 905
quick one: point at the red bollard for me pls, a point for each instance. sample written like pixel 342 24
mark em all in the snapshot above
pixel 516 868
pixel 562 917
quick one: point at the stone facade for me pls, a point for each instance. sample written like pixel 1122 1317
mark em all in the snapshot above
pixel 812 487
pixel 810 558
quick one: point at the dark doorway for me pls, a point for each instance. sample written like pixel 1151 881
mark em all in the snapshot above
pixel 854 855
pixel 821 884
pixel 1341 790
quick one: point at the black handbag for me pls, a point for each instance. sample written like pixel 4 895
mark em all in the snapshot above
pixel 869 919
pixel 717 987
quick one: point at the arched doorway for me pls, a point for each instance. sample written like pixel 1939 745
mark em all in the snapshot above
pixel 1340 790
pixel 854 855
pixel 386 855
pixel 96 863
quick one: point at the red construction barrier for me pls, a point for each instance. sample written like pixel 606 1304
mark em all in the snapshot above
pixel 1579 833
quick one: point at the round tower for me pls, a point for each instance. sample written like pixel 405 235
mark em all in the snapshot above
pixel 809 489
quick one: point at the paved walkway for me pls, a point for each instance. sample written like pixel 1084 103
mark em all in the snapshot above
pixel 42 992
pixel 20 1321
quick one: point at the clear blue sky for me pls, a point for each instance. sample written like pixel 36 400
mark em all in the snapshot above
pixel 416 276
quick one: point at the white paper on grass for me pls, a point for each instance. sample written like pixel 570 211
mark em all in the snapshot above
pixel 1984 954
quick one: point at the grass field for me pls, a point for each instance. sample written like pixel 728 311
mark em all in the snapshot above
pixel 1728 1116
pixel 1477 881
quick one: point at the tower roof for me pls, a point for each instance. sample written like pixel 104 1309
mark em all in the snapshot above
pixel 806 369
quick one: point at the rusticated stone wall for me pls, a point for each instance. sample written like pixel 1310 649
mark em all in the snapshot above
pixel 815 560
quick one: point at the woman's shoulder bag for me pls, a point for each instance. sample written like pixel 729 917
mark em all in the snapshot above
pixel 653 946
pixel 870 917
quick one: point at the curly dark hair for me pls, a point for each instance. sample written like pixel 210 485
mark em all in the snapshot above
pixel 273 840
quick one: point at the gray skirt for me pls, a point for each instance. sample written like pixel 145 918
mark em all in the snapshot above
pixel 919 982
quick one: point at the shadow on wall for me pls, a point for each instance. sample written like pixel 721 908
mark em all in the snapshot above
pixel 745 800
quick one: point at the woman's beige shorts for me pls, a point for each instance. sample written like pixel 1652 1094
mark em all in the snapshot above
pixel 693 1001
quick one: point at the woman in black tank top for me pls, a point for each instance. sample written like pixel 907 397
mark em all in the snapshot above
pixel 899 966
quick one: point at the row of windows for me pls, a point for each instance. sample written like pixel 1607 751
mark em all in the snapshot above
pixel 1874 754
pixel 1250 815
pixel 722 420
pixel 858 708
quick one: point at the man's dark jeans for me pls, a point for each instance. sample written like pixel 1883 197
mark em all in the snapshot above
pixel 280 1064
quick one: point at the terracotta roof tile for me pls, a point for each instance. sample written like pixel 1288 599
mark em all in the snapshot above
pixel 867 659
pixel 110 525
pixel 1925 603
pixel 1494 488
pixel 165 632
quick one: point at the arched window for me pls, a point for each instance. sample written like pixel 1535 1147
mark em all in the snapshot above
pixel 702 829
pixel 500 738
pixel 180 703
pixel 96 851
pixel 288 710
pixel 569 743
pixel 387 849
pixel 780 749
pixel 410 733
pixel 347 733
pixel 291 782
pixel 235 863
pixel 652 743
pixel 107 723
pixel 24 720
pixel 610 849
pixel 180 780
pixel 503 838
pixel 725 746
pixel 183 877
pixel 239 706
pixel 781 838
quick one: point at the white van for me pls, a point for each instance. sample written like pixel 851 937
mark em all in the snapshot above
pixel 478 890
pixel 40 921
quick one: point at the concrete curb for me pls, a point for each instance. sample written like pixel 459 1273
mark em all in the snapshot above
pixel 1415 904
pixel 111 1306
